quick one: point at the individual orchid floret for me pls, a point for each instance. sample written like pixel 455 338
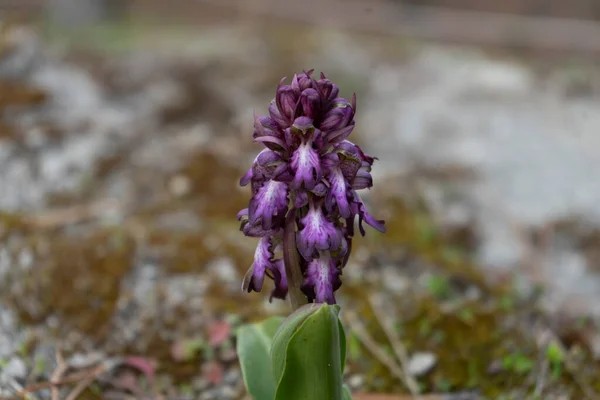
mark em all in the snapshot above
pixel 317 233
pixel 322 279
pixel 339 116
pixel 267 131
pixel 262 262
pixel 268 202
pixel 306 166
pixel 287 102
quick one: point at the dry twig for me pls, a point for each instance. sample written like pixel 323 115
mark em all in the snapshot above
pixel 61 368
pixel 375 349
pixel 397 346
pixel 81 386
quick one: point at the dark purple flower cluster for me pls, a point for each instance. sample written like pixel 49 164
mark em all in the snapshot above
pixel 307 168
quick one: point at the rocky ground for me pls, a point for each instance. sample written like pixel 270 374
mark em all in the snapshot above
pixel 121 260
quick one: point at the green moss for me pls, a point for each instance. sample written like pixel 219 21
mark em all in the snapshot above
pixel 76 278
pixel 484 344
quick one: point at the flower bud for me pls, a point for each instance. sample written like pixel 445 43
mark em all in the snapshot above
pixel 310 101
pixel 328 89
pixel 339 116
pixel 286 102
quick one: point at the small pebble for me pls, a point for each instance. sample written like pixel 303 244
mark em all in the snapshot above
pixel 421 363
pixel 595 345
pixel 231 377
pixel 180 185
pixel 80 361
pixel 356 381
pixel 200 384
pixel 15 369
pixel 393 281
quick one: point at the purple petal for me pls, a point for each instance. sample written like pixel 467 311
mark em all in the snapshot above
pixel 283 173
pixel 264 166
pixel 292 139
pixel 349 149
pixel 271 142
pixel 330 161
pixel 305 81
pixel 338 193
pixel 348 146
pixel 317 233
pixel 301 198
pixel 348 251
pixel 378 224
pixel 244 180
pixel 286 101
pixel 268 132
pixel 322 279
pixel 250 174
pixel 339 135
pixel 262 261
pixel 358 207
pixel 257 230
pixel 339 116
pixel 320 189
pixel 362 180
pixel 332 120
pixel 349 165
pixel 303 125
pixel 306 166
pixel 328 89
pixel 365 158
pixel 296 85
pixel 311 102
pixel 269 201
pixel 242 214
pixel 276 116
pixel 279 277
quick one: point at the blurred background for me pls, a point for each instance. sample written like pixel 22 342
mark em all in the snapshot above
pixel 126 126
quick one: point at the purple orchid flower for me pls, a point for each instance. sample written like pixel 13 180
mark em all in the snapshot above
pixel 305 182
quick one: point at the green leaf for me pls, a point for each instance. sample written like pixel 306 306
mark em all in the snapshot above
pixel 253 348
pixel 283 335
pixel 308 352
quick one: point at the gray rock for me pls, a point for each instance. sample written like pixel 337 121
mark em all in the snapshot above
pixel 356 381
pixel 79 360
pixel 15 368
pixel 421 363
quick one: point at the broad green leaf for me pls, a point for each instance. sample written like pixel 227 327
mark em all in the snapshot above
pixel 283 335
pixel 312 367
pixel 253 348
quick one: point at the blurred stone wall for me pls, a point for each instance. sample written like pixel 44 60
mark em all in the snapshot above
pixel 83 9
pixel 580 9
pixel 65 12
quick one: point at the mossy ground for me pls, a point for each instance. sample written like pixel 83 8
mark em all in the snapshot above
pixel 496 343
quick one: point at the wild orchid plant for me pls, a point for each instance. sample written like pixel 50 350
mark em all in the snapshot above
pixel 304 203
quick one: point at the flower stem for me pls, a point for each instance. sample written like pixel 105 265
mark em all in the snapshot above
pixel 291 260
